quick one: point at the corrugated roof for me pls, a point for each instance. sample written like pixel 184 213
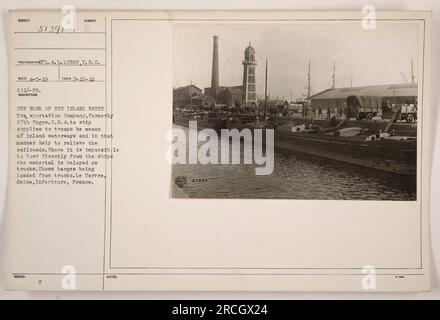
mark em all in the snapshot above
pixel 390 90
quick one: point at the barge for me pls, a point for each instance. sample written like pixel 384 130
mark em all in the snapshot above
pixel 394 152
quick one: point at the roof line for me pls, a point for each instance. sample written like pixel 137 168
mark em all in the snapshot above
pixel 383 86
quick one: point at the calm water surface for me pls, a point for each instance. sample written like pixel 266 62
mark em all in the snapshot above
pixel 295 176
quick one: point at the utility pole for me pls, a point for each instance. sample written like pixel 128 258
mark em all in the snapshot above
pixel 351 80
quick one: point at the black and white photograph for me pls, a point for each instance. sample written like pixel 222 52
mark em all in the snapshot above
pixel 323 110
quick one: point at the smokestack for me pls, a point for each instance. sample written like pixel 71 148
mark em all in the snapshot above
pixel 215 75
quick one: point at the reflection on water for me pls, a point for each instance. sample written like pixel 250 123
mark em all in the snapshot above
pixel 295 176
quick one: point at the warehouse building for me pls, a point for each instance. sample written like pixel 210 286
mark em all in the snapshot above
pixel 336 99
pixel 191 96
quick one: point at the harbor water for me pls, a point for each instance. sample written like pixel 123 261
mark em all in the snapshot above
pixel 295 176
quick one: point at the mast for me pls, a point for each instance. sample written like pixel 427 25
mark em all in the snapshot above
pixel 308 82
pixel 334 75
pixel 265 93
pixel 412 70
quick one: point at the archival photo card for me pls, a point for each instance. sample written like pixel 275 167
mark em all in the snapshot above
pixel 297 110
pixel 232 151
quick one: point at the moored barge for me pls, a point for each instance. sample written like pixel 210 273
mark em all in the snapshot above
pixel 396 153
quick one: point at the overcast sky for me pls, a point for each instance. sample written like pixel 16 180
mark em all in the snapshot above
pixel 369 56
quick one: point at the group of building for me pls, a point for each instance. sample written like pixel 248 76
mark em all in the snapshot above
pixel 216 95
pixel 245 96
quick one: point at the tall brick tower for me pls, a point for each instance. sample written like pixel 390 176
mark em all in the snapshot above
pixel 249 87
pixel 215 75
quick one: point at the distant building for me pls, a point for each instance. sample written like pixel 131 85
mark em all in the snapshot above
pixel 222 95
pixel 203 101
pixel 227 95
pixel 231 96
pixel 249 87
pixel 337 97
pixel 191 95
